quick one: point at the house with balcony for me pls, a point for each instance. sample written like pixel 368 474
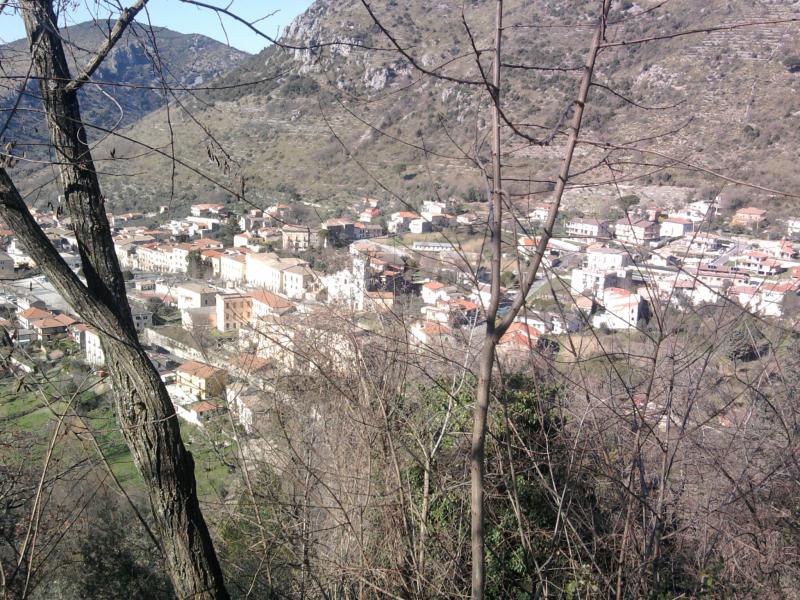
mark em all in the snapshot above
pixel 588 229
pixel 636 231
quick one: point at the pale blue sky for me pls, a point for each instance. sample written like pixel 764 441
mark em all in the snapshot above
pixel 185 18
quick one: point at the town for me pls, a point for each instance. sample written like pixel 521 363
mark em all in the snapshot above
pixel 221 296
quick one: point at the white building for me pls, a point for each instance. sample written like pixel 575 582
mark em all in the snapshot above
pixel 636 231
pixel 345 287
pixel 621 309
pixel 285 275
pixel 588 229
pixel 94 350
pixel 399 221
pixel 540 212
pixel 435 291
pixel 675 227
pixel 142 319
pixel 232 267
pixel 194 295
pixel 602 258
pixel 420 225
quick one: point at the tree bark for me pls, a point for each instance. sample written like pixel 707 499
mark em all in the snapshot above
pixel 144 409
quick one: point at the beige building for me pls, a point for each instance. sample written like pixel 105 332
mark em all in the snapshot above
pixel 201 380
pixel 267 304
pixel 299 238
pixel 749 215
pixel 636 231
pixel 6 266
pixel 233 311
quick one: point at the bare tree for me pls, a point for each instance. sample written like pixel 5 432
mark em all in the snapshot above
pixel 144 409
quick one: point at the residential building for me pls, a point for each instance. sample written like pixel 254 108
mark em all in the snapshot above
pixel 675 227
pixel 286 275
pixel 705 242
pixel 434 291
pixel 233 311
pixel 299 238
pixel 429 333
pixel 194 295
pixel 697 212
pixel 339 232
pixel 793 227
pixel 759 263
pixel 296 280
pixel 588 229
pixel 540 212
pixel 620 309
pixel 345 287
pixel 267 304
pixel 254 219
pixel 749 216
pixel 636 231
pixel 48 328
pixel 434 207
pixel 6 266
pixel 244 240
pixel 233 268
pixel 93 349
pixel 214 258
pixel 594 282
pixel 201 380
pixel 519 336
pixel 364 231
pixel 369 215
pixel 28 316
pixel 400 221
pixel 419 225
pixel 202 210
pixel 603 258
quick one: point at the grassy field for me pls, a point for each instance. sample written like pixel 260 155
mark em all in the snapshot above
pixel 32 410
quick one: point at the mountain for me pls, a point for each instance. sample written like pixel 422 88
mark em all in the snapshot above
pixel 351 115
pixel 134 73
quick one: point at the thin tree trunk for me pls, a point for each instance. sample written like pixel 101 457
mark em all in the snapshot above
pixel 144 409
pixel 495 330
pixel 478 534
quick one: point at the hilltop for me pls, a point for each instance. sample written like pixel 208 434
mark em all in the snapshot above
pixel 134 74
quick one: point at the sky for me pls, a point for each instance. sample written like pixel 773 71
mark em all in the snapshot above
pixel 184 18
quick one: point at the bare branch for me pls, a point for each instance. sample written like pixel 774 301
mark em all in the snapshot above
pixel 125 18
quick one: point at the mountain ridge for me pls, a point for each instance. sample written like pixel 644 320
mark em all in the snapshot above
pixel 333 121
pixel 127 86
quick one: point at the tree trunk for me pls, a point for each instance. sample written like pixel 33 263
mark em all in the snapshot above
pixel 495 329
pixel 145 411
pixel 476 459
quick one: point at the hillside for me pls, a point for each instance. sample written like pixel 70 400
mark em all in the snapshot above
pixel 340 120
pixel 142 62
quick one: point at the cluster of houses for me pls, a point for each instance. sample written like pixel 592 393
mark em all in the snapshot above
pixel 245 306
pixel 649 257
